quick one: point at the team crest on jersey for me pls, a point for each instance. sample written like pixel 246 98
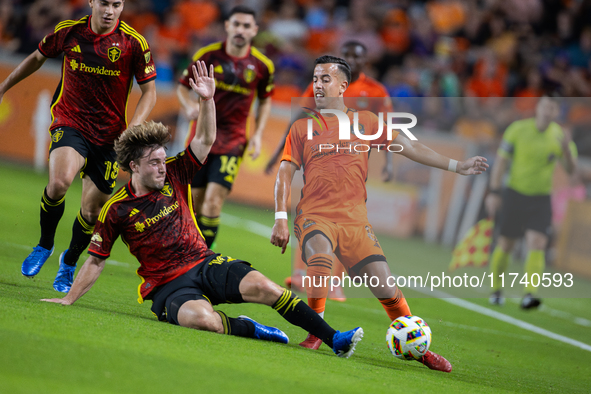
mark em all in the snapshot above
pixel 55 137
pixel 372 236
pixel 249 75
pixel 148 56
pixel 114 53
pixel 308 223
pixel 166 190
pixel 361 129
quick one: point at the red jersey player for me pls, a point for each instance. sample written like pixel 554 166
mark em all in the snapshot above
pixel 180 274
pixel 102 55
pixel 242 74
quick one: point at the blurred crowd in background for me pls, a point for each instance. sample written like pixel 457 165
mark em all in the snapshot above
pixel 439 48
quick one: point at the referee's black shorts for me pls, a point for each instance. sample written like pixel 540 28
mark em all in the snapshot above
pixel 520 212
pixel 216 280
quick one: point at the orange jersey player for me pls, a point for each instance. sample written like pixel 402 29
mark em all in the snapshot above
pixel 362 94
pixel 331 217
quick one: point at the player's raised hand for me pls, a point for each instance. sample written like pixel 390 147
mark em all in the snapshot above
pixel 202 83
pixel 472 166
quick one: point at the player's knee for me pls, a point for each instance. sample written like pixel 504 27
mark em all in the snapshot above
pixel 91 213
pixel 268 292
pixel 57 188
pixel 200 320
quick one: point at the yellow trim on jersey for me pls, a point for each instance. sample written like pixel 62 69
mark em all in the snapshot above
pixel 211 47
pixel 59 96
pixel 127 102
pixel 129 30
pixel 170 159
pixel 120 195
pixel 259 55
pixel 193 213
pixel 69 23
pixel 140 299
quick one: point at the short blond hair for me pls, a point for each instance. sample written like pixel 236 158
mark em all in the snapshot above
pixel 133 142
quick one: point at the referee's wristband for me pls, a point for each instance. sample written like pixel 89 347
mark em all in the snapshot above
pixel 281 215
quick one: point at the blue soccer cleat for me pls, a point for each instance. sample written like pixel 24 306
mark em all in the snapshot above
pixel 65 275
pixel 266 333
pixel 33 263
pixel 343 343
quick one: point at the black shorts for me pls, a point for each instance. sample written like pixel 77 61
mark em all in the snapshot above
pixel 220 169
pixel 100 162
pixel 520 212
pixel 216 279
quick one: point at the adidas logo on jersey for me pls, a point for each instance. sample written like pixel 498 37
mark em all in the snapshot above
pixel 76 49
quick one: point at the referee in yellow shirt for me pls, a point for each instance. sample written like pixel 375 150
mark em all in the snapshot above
pixel 530 149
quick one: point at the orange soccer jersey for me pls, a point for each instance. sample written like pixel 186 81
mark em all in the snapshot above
pixel 363 95
pixel 335 170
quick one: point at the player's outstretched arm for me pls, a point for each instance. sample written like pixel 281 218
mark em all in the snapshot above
pixel 32 63
pixel 278 152
pixel 263 112
pixel 89 273
pixel 418 152
pixel 280 232
pixel 204 85
pixel 145 104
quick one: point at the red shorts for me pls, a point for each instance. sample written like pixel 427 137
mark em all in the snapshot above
pixel 354 244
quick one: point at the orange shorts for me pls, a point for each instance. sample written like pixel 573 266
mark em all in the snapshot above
pixel 354 244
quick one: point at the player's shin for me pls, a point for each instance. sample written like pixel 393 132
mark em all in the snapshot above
pixel 81 233
pixel 534 264
pixel 395 306
pixel 51 213
pixel 318 280
pixel 295 311
pixel 498 265
pixel 209 228
pixel 238 327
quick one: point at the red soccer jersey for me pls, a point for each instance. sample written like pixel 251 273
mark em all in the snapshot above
pixel 159 228
pixel 97 76
pixel 238 81
pixel 359 95
pixel 335 171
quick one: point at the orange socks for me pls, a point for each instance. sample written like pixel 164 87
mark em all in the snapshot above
pixel 319 267
pixel 395 306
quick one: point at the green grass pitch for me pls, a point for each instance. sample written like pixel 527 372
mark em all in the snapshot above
pixel 108 343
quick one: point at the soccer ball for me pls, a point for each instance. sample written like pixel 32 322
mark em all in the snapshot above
pixel 408 337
